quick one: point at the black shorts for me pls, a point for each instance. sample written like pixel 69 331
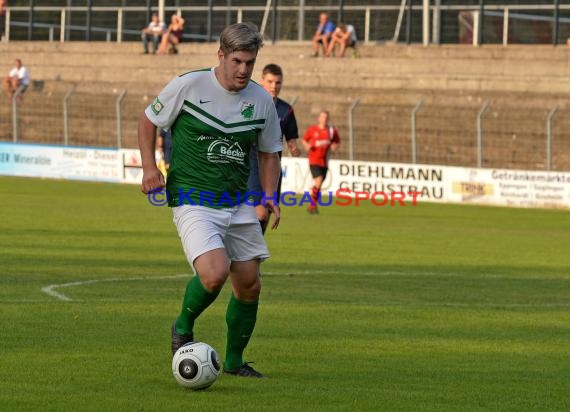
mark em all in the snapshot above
pixel 317 171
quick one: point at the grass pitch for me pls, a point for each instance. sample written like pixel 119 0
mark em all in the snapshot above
pixel 427 308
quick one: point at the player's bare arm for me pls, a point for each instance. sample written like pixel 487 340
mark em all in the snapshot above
pixel 269 171
pixel 152 176
pixel 293 148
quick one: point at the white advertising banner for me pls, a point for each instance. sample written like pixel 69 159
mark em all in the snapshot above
pixel 353 177
pixel 60 162
pixel 132 166
pixel 377 182
pixel 510 188
pixel 434 183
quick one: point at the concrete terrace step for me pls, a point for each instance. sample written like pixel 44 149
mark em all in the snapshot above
pixel 535 69
pixel 157 77
pixel 443 57
pixel 521 83
pixel 289 49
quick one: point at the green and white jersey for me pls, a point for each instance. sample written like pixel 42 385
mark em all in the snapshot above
pixel 212 132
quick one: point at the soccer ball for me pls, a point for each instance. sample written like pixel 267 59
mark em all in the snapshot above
pixel 196 365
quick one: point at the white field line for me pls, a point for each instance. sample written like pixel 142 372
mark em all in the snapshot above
pixel 51 289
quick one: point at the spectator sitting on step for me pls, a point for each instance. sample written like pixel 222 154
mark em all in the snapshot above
pixel 323 34
pixel 153 33
pixel 345 36
pixel 173 35
pixel 17 80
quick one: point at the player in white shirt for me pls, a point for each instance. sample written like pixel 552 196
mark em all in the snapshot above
pixel 17 79
pixel 216 115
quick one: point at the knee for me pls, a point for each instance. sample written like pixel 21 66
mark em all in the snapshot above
pixel 249 291
pixel 213 282
pixel 213 271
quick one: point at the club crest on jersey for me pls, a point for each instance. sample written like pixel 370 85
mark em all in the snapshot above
pixel 156 106
pixel 247 110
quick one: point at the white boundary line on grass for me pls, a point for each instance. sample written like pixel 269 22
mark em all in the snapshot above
pixel 51 289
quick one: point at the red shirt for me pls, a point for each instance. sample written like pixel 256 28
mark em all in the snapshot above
pixel 320 140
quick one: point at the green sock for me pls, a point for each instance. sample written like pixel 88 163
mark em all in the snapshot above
pixel 196 300
pixel 240 318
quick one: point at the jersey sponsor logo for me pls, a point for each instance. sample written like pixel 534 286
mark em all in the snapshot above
pixel 322 143
pixel 156 106
pixel 224 151
pixel 247 110
pixel 204 101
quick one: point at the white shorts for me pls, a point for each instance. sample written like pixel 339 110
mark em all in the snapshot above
pixel 235 229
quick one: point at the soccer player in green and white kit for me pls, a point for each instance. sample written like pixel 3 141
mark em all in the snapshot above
pixel 215 116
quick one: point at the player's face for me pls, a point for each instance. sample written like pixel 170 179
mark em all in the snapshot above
pixel 323 119
pixel 272 84
pixel 235 69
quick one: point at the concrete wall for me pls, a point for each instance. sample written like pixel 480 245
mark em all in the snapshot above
pixel 521 83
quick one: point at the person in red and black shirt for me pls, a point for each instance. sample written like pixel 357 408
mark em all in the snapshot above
pixel 319 139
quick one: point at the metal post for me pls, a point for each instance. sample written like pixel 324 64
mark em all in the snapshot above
pixel 228 12
pixel 425 23
pixel 556 23
pixel 274 18
pixel 341 11
pixel 88 20
pixel 62 26
pixel 119 118
pixel 480 134
pixel 549 138
pixel 67 29
pixel 119 25
pixel 7 25
pixel 301 22
pixel 239 15
pixel 351 128
pixel 66 116
pixel 50 35
pixel 414 137
pixel 31 19
pixel 210 17
pixel 15 128
pixel 367 25
pixel 409 22
pixel 436 25
pixel 476 28
pixel 481 19
pixel 160 10
pixel 148 11
pixel 506 26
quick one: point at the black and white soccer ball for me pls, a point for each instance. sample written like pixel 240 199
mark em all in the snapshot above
pixel 196 365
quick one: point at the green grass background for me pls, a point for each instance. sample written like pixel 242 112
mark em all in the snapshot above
pixel 427 308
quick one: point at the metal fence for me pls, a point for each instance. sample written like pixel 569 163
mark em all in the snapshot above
pixel 417 21
pixel 484 135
